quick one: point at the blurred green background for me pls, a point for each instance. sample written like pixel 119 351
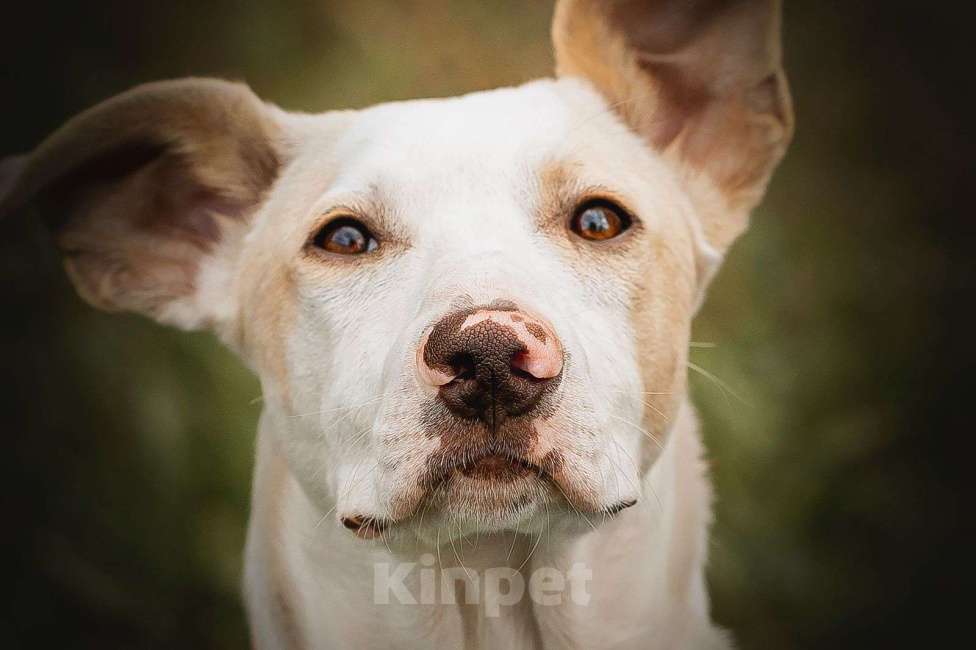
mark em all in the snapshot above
pixel 839 323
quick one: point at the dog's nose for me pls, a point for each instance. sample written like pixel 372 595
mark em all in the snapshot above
pixel 491 363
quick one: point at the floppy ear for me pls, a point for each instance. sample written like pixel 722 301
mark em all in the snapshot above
pixel 149 193
pixel 700 80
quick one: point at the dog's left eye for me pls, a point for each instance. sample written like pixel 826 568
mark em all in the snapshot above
pixel 345 236
pixel 599 220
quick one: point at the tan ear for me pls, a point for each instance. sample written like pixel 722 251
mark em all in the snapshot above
pixel 148 192
pixel 701 80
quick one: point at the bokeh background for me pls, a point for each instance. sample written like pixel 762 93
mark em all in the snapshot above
pixel 837 333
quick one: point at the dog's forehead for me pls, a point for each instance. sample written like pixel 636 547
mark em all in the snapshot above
pixel 494 144
pixel 489 128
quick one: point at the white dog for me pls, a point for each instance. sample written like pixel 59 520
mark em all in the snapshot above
pixel 470 318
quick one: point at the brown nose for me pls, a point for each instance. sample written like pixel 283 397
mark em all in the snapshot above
pixel 491 363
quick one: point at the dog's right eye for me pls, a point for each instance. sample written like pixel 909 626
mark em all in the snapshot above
pixel 598 220
pixel 345 236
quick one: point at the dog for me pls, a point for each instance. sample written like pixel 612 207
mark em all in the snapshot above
pixel 470 318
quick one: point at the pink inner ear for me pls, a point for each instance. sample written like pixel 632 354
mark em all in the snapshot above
pixel 661 27
pixel 135 225
pixel 139 188
pixel 680 94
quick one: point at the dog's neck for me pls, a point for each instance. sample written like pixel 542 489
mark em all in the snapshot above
pixel 312 584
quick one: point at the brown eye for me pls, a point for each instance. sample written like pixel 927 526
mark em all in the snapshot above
pixel 599 220
pixel 345 236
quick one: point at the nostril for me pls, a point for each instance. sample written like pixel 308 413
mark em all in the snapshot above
pixel 535 365
pixel 521 367
pixel 463 365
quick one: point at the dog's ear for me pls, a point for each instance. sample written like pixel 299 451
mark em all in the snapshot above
pixel 149 193
pixel 700 80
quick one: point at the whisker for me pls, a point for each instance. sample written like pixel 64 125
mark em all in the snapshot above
pixel 514 540
pixel 603 487
pixel 548 528
pixel 628 457
pixel 386 542
pixel 319 522
pixel 440 563
pixel 660 506
pixel 342 408
pixel 639 392
pixel 647 433
pixel 531 552
pixel 347 489
pixel 724 387
pixel 423 512
pixel 623 473
pixel 575 509
pixel 656 410
pixel 454 548
pixel 360 435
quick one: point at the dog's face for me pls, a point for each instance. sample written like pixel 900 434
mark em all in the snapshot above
pixel 477 302
pixel 467 314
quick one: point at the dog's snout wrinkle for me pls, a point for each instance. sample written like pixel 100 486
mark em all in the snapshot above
pixel 491 363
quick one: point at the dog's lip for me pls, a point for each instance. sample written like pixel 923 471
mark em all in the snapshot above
pixel 615 508
pixel 496 468
pixel 483 464
pixel 365 526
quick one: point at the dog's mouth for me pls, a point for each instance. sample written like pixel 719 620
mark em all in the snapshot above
pixel 492 465
pixel 494 487
pixel 488 484
pixel 497 467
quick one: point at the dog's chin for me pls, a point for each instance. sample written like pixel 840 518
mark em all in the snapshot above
pixel 492 499
pixel 493 494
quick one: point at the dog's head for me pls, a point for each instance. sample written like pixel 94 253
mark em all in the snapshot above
pixel 471 311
